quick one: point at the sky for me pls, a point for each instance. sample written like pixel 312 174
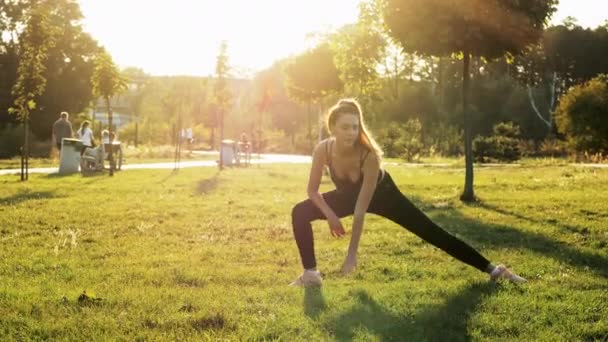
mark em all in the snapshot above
pixel 182 37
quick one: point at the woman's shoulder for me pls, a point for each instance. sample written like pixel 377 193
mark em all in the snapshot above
pixel 323 144
pixel 325 141
pixel 321 148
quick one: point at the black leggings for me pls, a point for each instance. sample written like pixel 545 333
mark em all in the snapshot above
pixel 387 202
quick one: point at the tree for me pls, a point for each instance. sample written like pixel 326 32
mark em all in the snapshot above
pixel 107 82
pixel 582 115
pixel 221 91
pixel 285 114
pixel 311 76
pixel 481 28
pixel 68 66
pixel 35 42
pixel 138 79
pixel 358 49
pixel 12 17
pixel 566 55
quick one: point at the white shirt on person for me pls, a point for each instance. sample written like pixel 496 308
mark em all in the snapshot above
pixel 86 137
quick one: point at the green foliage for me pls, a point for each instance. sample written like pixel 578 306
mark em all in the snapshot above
pixel 582 115
pixel 358 49
pixel 402 140
pixel 313 75
pixel 67 65
pixel 443 139
pixel 488 28
pixel 11 138
pixel 553 148
pixel 35 43
pixel 479 28
pixel 107 79
pixel 222 69
pixel 502 146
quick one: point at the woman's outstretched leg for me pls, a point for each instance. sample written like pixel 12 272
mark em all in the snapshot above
pixel 389 202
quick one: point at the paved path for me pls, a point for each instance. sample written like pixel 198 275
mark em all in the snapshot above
pixel 264 159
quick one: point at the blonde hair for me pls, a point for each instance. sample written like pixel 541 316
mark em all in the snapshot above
pixel 351 106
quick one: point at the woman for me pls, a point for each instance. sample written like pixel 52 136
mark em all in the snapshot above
pixel 353 158
pixel 85 134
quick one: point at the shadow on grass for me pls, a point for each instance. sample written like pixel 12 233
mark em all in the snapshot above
pixel 446 321
pixel 479 233
pixel 24 196
pixel 314 303
pixel 551 221
pixel 54 175
pixel 207 185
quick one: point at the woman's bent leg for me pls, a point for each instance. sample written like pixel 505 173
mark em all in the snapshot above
pixel 305 212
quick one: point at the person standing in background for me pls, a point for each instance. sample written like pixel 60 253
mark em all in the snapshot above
pixel 62 128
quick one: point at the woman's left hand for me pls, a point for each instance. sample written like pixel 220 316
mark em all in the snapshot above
pixel 349 266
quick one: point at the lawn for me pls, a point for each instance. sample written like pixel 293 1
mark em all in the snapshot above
pixel 202 255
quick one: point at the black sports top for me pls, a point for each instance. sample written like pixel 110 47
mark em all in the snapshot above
pixel 347 184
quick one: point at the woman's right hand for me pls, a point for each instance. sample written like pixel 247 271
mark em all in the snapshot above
pixel 335 226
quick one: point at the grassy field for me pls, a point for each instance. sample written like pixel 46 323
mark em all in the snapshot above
pixel 202 255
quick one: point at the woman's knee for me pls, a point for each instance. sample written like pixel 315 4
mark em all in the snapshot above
pixel 299 212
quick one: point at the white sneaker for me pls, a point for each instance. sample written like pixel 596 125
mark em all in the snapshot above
pixel 501 271
pixel 308 278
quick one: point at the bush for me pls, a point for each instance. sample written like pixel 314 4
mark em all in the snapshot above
pixel 11 140
pixel 402 140
pixel 149 132
pixel 445 139
pixel 553 148
pixel 582 115
pixel 502 146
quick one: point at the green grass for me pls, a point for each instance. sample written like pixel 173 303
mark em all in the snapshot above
pixel 202 255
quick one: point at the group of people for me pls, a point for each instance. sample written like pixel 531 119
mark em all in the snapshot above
pixel 62 128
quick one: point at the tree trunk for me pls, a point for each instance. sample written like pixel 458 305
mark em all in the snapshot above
pixel 136 132
pixel 111 138
pixel 27 146
pixel 468 195
pixel 309 126
pixel 212 139
pixel 221 163
pixel 552 102
pixel 25 149
pixel 439 91
pixel 178 143
pixel 535 108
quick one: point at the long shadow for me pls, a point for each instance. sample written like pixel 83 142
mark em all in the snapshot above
pixel 454 314
pixel 554 222
pixel 207 185
pixel 314 302
pixel 447 321
pixel 479 234
pixel 171 174
pixel 54 175
pixel 24 196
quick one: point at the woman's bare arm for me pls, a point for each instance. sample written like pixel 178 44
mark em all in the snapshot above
pixel 319 159
pixel 371 168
